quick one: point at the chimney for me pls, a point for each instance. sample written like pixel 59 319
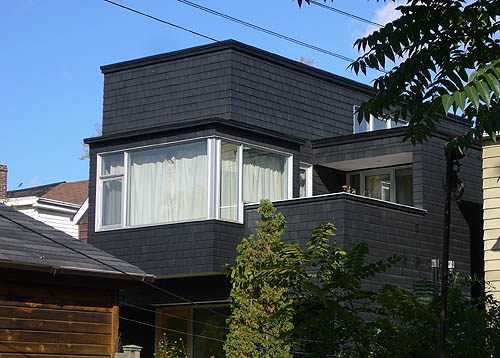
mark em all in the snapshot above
pixel 3 182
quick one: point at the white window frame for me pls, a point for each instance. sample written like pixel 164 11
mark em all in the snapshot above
pixel 101 179
pixel 213 180
pixel 241 203
pixel 309 178
pixel 369 172
pixel 371 122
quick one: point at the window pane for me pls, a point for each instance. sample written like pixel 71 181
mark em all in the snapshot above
pixel 355 183
pixel 264 176
pixel 302 183
pixel 168 184
pixel 206 348
pixel 379 124
pixel 177 320
pixel 111 202
pixel 404 186
pixel 229 182
pixel 360 128
pixel 378 186
pixel 112 164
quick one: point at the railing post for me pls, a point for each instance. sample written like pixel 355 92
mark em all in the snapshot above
pixel 132 351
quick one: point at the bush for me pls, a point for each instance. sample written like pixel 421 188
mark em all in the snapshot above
pixel 167 349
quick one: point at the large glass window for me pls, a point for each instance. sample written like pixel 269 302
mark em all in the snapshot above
pixel 265 175
pixel 389 184
pixel 202 330
pixel 168 184
pixel 195 180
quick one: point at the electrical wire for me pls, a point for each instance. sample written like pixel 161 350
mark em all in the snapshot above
pixel 173 316
pixel 264 30
pixel 345 13
pixel 241 22
pixel 186 333
pixel 117 269
pixel 171 330
pixel 162 21
pixel 195 321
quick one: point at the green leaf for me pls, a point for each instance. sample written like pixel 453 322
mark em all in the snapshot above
pixel 494 84
pixel 471 93
pixel 459 98
pixel 484 91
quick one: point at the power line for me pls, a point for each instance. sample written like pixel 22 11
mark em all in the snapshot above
pixel 160 20
pixel 173 316
pixel 121 271
pixel 114 268
pixel 345 13
pixel 172 330
pixel 264 30
pixel 195 321
pixel 186 333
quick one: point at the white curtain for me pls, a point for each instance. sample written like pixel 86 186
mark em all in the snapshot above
pixel 264 176
pixel 112 202
pixel 168 184
pixel 112 164
pixel 112 189
pixel 229 182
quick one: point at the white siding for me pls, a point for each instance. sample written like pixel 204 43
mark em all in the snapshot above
pixel 491 215
pixel 59 221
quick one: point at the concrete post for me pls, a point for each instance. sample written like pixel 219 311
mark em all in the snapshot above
pixel 132 351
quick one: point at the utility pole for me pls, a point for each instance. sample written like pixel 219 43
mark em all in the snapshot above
pixel 450 183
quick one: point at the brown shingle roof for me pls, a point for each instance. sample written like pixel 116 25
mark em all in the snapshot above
pixel 73 192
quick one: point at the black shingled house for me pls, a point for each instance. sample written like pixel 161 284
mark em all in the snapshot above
pixel 192 139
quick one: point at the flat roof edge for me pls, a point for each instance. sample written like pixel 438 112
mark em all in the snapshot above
pixel 243 48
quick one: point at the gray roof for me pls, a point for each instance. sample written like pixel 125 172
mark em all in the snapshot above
pixel 27 243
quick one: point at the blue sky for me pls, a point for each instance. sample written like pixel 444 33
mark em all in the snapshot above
pixel 51 85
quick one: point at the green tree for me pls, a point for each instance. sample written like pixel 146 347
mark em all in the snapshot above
pixel 449 60
pixel 408 323
pixel 445 56
pixel 261 309
pixel 331 306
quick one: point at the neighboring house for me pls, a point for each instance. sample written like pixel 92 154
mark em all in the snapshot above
pixel 191 140
pixel 56 205
pixel 58 296
pixel 491 196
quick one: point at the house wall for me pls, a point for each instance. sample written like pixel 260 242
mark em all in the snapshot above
pixel 491 196
pixel 234 83
pixel 58 220
pixel 387 228
pixel 57 321
pixel 177 249
pixel 230 81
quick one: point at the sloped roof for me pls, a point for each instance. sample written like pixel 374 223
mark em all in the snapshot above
pixel 34 191
pixel 73 192
pixel 30 244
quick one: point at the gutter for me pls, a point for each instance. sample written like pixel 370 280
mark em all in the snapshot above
pixel 67 270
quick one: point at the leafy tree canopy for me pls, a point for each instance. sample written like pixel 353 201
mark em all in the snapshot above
pixel 446 56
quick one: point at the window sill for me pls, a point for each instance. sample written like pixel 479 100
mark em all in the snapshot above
pixel 170 224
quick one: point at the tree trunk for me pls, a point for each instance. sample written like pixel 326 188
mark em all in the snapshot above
pixel 445 256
